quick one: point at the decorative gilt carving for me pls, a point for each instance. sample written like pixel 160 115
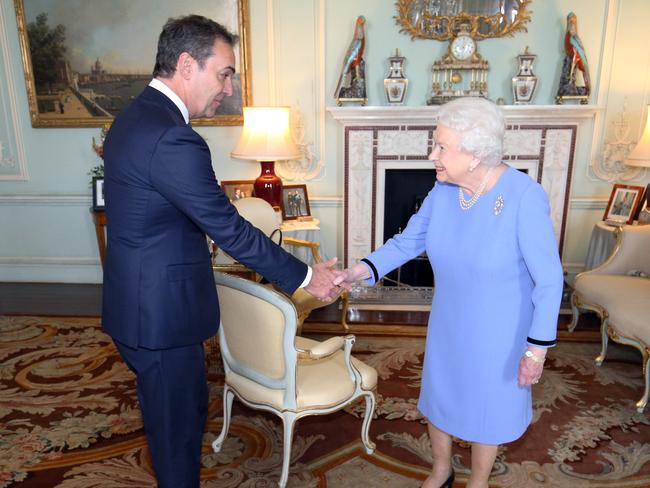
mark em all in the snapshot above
pixel 422 19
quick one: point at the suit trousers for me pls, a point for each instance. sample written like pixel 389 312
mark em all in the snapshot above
pixel 173 395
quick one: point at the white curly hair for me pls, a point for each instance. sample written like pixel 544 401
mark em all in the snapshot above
pixel 480 124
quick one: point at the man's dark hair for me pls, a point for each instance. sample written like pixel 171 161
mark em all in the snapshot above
pixel 193 34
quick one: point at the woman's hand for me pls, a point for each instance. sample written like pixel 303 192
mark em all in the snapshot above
pixel 531 365
pixel 353 274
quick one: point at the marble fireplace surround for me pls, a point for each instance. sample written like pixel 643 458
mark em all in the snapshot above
pixel 539 138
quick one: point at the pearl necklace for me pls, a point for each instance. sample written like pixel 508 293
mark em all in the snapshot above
pixel 467 204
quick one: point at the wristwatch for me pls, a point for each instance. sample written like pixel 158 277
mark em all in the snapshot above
pixel 530 355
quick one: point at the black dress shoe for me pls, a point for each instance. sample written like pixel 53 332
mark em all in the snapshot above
pixel 450 480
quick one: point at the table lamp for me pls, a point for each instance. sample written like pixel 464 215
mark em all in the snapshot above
pixel 640 155
pixel 266 138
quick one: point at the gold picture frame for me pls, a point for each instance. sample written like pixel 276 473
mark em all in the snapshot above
pixel 73 93
pixel 237 189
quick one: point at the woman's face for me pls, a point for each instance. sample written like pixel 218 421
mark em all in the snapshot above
pixel 452 164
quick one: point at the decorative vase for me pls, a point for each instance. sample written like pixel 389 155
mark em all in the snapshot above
pixel 268 186
pixel 396 83
pixel 525 83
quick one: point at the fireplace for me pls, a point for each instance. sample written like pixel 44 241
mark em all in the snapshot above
pixel 539 139
pixel 404 191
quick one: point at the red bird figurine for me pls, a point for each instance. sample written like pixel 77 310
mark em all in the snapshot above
pixel 352 83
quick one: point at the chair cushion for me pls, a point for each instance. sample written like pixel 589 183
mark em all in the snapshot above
pixel 626 299
pixel 319 384
pixel 326 381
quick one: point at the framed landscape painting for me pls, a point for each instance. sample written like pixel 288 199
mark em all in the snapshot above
pixel 85 60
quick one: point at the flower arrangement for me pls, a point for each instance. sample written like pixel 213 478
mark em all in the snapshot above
pixel 98 171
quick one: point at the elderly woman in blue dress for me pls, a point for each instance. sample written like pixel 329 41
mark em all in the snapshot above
pixel 488 235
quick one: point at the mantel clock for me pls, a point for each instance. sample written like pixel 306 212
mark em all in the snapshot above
pixel 461 72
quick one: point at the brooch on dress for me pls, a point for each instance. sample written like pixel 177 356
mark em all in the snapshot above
pixel 498 205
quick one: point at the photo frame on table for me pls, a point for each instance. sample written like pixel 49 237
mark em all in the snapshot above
pixel 98 193
pixel 623 203
pixel 87 63
pixel 236 189
pixel 295 202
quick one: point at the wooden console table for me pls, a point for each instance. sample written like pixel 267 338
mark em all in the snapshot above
pixel 99 218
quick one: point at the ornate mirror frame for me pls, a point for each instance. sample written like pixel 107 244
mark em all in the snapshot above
pixel 444 27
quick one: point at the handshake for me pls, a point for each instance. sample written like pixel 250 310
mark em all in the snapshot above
pixel 327 283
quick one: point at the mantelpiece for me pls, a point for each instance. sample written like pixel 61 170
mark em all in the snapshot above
pixel 540 139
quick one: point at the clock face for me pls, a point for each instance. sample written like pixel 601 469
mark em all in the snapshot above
pixel 462 47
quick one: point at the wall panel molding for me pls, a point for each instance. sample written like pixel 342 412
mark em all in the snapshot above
pixel 44 261
pixel 12 151
pixel 584 203
pixel 46 200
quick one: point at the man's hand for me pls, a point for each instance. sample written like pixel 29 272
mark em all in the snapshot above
pixel 325 283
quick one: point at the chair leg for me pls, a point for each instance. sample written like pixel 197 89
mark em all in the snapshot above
pixel 367 418
pixel 604 338
pixel 288 423
pixel 228 396
pixel 345 305
pixel 641 404
pixel 575 313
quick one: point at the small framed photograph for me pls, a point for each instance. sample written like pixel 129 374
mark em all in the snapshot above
pixel 295 202
pixel 236 189
pixel 644 213
pixel 623 203
pixel 98 193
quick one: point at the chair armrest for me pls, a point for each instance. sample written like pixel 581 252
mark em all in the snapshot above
pixel 314 246
pixel 630 252
pixel 324 349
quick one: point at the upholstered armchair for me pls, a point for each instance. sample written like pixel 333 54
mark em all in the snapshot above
pixel 619 292
pixel 261 214
pixel 268 367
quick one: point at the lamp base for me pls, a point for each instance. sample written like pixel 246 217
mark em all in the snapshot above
pixel 268 186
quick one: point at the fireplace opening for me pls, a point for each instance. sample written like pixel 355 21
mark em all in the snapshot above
pixel 405 190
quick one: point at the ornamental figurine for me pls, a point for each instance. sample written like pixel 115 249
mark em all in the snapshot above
pixel 352 82
pixel 575 83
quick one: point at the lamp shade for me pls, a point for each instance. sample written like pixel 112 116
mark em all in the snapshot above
pixel 640 155
pixel 266 136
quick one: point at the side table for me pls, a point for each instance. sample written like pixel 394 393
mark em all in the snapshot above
pixel 308 230
pixel 99 218
pixel 601 245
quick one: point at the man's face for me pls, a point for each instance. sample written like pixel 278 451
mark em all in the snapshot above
pixel 210 85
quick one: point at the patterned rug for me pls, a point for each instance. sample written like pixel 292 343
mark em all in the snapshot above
pixel 69 418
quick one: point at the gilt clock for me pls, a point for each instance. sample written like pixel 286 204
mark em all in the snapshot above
pixel 461 72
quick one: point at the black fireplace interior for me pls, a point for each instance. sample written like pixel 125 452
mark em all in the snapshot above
pixel 405 189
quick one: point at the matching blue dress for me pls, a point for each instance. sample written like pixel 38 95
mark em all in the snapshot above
pixel 498 287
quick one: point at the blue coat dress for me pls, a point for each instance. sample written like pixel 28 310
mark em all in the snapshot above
pixel 498 287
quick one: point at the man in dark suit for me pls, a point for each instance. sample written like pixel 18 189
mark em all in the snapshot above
pixel 162 199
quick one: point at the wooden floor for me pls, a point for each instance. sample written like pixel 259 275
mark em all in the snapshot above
pixel 66 299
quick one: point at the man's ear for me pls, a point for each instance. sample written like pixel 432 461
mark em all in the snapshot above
pixel 185 65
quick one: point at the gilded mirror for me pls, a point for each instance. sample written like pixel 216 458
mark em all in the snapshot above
pixel 440 19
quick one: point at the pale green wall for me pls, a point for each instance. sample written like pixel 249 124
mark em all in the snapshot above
pixel 297 48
